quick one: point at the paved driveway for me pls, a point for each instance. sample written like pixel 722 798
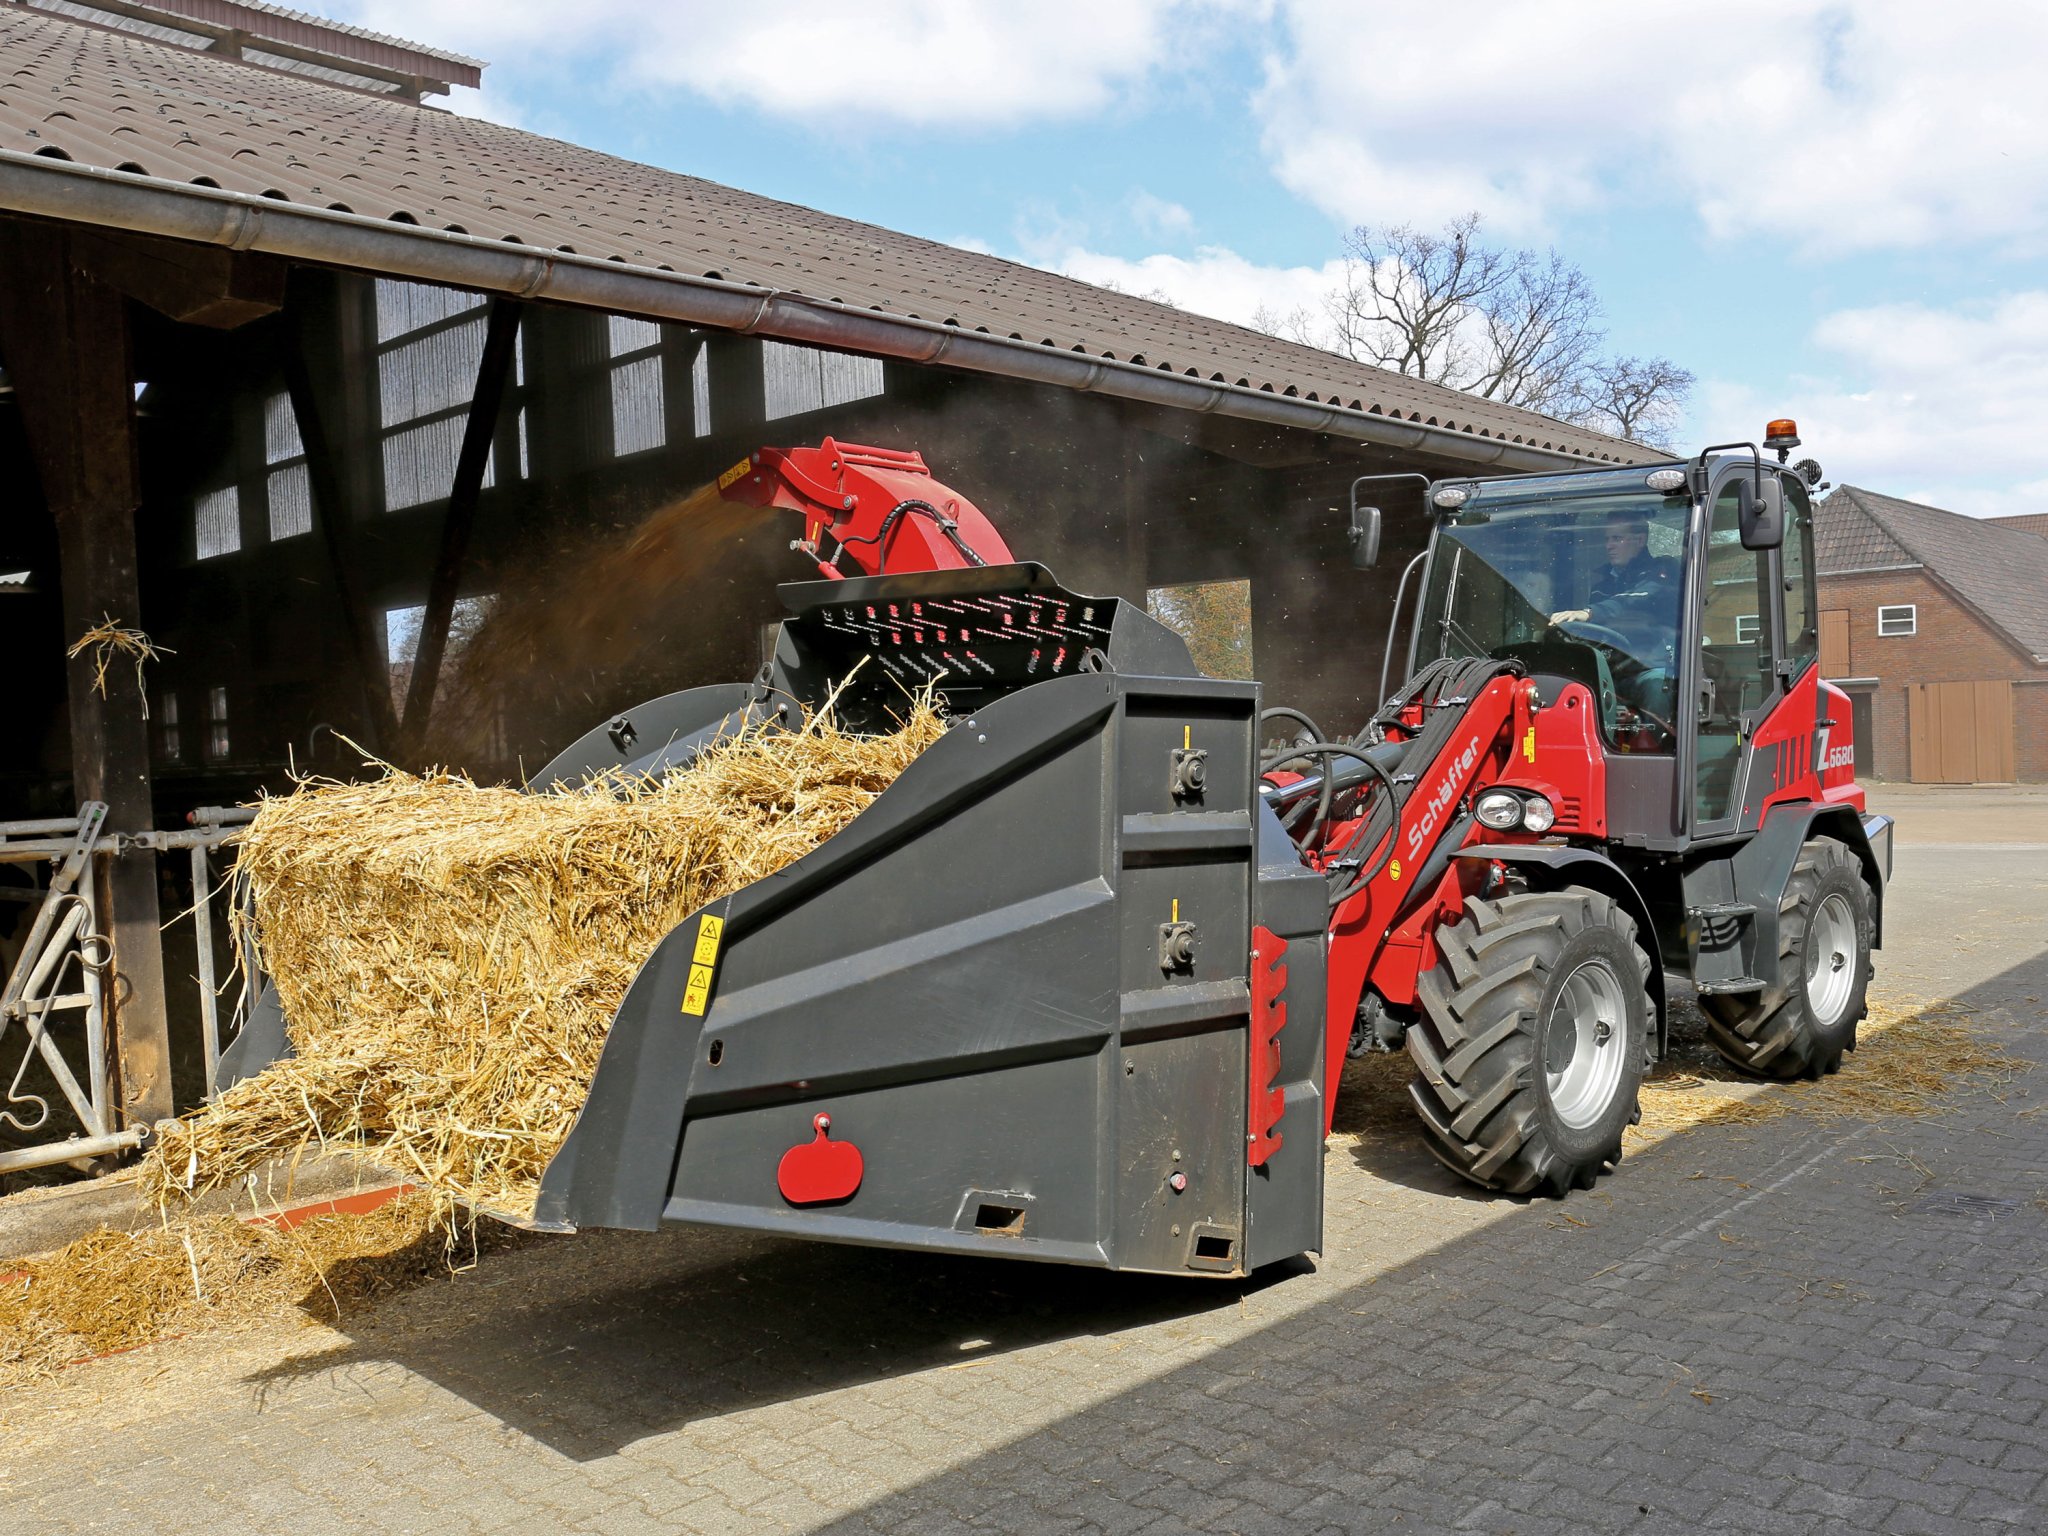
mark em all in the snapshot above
pixel 1794 1325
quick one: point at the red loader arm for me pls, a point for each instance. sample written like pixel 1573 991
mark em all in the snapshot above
pixel 880 508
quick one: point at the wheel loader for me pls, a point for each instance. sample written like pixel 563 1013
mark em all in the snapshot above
pixel 1080 984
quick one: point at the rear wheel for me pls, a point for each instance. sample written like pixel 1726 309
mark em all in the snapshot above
pixel 1804 1020
pixel 1532 1041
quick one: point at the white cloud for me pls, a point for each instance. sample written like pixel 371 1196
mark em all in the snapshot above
pixel 923 63
pixel 1830 127
pixel 1214 281
pixel 1941 406
pixel 1157 217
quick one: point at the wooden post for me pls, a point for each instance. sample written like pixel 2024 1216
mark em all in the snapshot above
pixel 458 522
pixel 66 344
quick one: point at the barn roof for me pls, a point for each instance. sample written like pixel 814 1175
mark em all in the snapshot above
pixel 2000 572
pixel 97 124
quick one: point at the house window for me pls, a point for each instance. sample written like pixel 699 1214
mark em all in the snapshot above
pixel 168 740
pixel 1899 619
pixel 287 488
pixel 637 423
pixel 430 344
pixel 1214 617
pixel 796 379
pixel 216 723
pixel 1746 629
pixel 216 524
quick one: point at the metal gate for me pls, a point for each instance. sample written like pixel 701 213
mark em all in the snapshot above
pixel 56 1062
pixel 1960 733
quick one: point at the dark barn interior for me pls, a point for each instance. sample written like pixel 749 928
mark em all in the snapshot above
pixel 378 484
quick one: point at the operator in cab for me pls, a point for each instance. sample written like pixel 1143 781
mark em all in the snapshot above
pixel 1635 585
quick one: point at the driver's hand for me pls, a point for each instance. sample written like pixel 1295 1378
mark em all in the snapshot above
pixel 1571 616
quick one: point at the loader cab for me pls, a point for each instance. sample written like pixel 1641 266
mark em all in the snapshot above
pixel 1646 586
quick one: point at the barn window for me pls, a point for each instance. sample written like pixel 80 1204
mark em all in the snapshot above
pixel 636 385
pixel 402 639
pixel 216 524
pixel 217 723
pixel 430 343
pixel 1899 619
pixel 798 379
pixel 1747 628
pixel 1214 617
pixel 168 739
pixel 287 489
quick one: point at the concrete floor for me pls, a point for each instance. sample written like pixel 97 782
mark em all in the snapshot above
pixel 1812 1323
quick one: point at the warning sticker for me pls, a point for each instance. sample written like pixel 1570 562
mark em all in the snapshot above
pixel 703 962
pixel 736 474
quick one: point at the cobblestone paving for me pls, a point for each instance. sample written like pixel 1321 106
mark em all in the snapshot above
pixel 1788 1326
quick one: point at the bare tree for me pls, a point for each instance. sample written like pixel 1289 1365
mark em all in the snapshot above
pixel 1518 326
pixel 1640 398
pixel 1408 297
pixel 1541 333
pixel 1298 324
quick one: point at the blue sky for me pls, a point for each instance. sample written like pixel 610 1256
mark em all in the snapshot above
pixel 1832 210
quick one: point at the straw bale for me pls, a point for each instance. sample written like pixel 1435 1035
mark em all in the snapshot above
pixel 450 955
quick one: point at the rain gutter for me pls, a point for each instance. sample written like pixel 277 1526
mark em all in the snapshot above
pixel 60 189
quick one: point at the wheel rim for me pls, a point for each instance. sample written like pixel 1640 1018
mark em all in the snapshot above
pixel 1585 1044
pixel 1830 960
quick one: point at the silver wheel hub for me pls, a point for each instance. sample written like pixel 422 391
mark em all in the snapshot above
pixel 1585 1044
pixel 1830 960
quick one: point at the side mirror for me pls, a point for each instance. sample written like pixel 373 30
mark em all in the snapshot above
pixel 1365 536
pixel 1760 512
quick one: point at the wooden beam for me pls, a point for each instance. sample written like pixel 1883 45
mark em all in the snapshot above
pixel 66 344
pixel 459 521
pixel 195 284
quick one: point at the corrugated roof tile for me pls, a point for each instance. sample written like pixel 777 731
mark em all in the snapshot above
pixel 129 102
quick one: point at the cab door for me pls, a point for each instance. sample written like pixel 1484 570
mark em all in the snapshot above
pixel 1735 677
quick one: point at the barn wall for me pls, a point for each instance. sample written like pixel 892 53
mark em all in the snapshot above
pixel 594 580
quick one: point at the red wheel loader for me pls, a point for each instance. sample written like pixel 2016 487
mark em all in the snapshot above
pixel 1080 984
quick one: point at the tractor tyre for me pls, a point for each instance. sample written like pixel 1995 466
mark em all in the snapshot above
pixel 1533 1038
pixel 1806 1017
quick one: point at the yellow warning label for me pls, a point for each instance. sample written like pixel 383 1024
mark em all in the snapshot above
pixel 737 473
pixel 709 930
pixel 703 961
pixel 1187 738
pixel 1394 869
pixel 1529 744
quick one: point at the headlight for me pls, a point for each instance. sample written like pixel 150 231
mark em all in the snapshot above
pixel 1538 814
pixel 1499 809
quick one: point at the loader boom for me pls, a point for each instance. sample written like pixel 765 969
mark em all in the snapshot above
pixel 878 509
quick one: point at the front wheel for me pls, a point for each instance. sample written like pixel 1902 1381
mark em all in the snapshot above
pixel 1533 1038
pixel 1804 1020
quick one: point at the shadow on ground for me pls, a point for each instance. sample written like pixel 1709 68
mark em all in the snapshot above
pixel 593 1343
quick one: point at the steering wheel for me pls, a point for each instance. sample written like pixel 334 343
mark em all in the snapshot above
pixel 1598 634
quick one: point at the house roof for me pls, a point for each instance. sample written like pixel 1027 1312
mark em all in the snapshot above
pixel 2025 522
pixel 2000 572
pixel 114 101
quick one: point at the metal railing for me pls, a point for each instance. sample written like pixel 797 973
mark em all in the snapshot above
pixel 66 968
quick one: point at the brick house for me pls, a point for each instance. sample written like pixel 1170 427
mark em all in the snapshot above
pixel 1936 625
